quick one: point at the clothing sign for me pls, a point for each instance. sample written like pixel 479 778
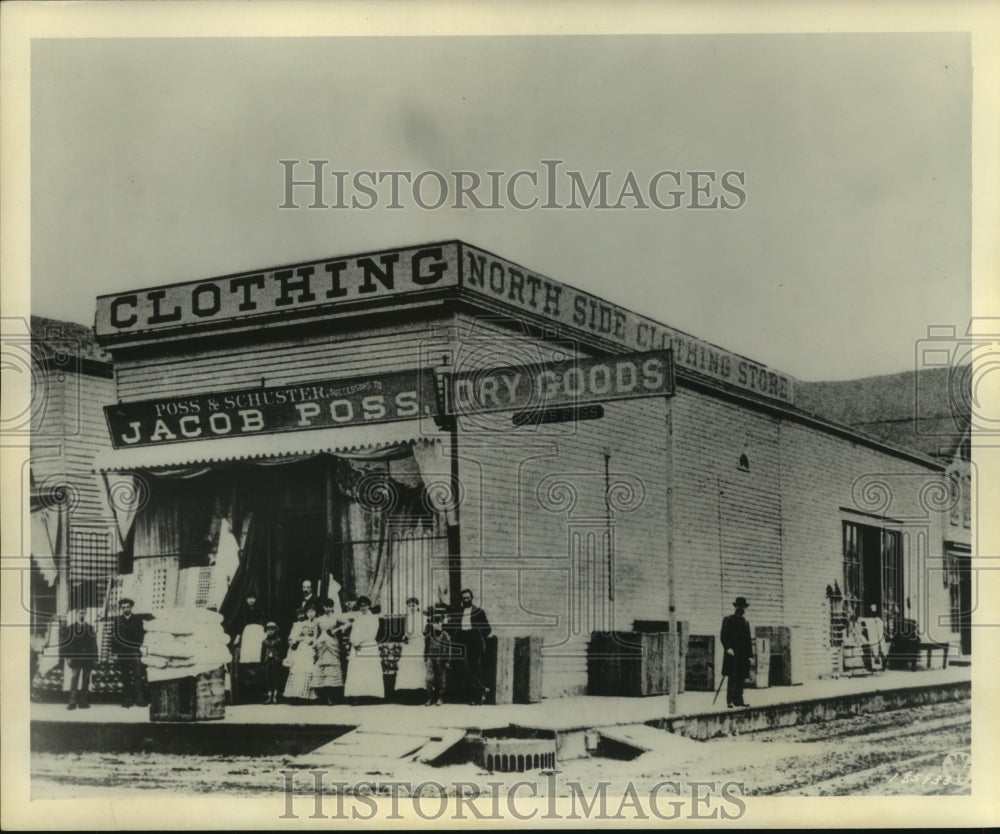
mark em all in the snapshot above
pixel 348 282
pixel 324 404
pixel 571 382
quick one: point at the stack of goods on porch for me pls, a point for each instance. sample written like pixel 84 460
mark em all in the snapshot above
pixel 105 679
pixel 185 652
pixel 904 649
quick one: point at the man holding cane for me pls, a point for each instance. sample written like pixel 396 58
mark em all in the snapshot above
pixel 738 647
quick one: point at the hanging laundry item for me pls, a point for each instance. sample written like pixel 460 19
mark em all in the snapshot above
pixel 227 560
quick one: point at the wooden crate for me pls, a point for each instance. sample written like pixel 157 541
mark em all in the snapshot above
pixel 629 663
pixel 201 698
pixel 699 668
pixel 781 672
pixel 663 626
pixel 760 666
pixel 514 669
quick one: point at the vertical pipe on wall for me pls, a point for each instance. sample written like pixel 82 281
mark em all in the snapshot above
pixel 668 475
pixel 454 531
pixel 609 538
pixel 722 571
pixel 450 421
pixel 323 586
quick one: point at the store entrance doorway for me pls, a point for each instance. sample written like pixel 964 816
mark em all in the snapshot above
pixel 294 543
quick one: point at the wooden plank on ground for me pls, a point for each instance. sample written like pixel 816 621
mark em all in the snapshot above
pixel 371 745
pixel 437 747
pixel 345 763
pixel 645 738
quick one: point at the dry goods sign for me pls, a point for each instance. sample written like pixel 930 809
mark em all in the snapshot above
pixel 572 383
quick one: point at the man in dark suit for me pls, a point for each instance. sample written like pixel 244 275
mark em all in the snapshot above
pixel 126 645
pixel 79 649
pixel 309 599
pixel 737 644
pixel 469 628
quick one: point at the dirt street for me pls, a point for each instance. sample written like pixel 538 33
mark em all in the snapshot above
pixel 921 750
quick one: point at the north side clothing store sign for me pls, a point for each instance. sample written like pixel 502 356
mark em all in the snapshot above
pixel 387 398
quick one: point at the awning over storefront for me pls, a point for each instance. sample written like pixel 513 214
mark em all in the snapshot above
pixel 345 440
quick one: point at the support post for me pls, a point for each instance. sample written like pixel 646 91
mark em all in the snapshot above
pixel 668 474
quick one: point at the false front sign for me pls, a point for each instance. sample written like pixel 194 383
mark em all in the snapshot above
pixel 571 382
pixel 324 404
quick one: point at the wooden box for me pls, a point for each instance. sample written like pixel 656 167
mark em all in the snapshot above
pixel 663 626
pixel 781 672
pixel 629 663
pixel 760 666
pixel 699 666
pixel 514 669
pixel 201 698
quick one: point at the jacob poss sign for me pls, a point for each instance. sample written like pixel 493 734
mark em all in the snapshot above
pixel 571 382
pixel 313 405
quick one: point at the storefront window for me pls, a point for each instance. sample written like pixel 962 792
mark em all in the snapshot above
pixel 349 527
pixel 873 574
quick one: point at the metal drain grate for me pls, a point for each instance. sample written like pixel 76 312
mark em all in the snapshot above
pixel 518 755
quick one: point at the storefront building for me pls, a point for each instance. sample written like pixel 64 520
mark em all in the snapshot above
pixel 73 539
pixel 419 420
pixel 927 410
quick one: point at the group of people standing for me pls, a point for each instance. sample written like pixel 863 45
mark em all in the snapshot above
pixel 328 655
pixel 333 655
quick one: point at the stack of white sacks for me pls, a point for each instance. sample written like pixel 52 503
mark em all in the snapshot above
pixel 184 642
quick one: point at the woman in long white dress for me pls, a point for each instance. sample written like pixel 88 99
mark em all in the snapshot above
pixel 302 655
pixel 410 674
pixel 364 670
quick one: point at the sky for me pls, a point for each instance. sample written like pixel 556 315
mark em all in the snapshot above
pixel 156 161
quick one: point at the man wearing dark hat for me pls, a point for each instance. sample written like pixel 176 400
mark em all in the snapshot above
pixel 738 647
pixel 126 646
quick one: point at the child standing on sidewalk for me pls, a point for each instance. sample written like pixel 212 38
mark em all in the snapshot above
pixel 271 654
pixel 437 659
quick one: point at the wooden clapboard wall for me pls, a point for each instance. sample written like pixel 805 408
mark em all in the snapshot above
pixel 772 532
pixel 821 475
pixel 69 390
pixel 728 520
pixel 534 521
pixel 341 352
pixel 534 533
pixel 68 430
